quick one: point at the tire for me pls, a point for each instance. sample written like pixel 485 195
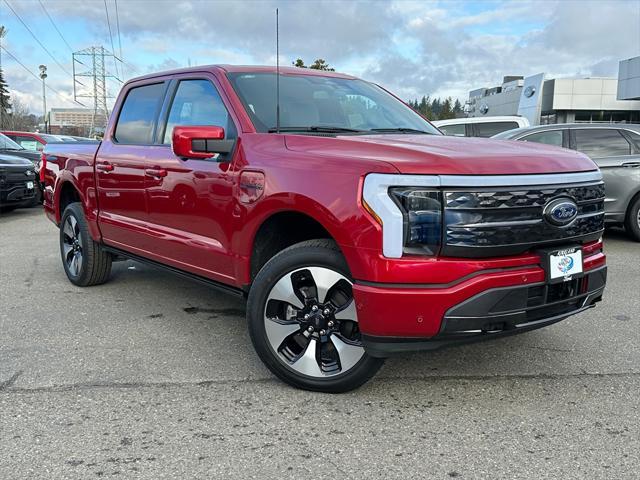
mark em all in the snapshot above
pixel 7 209
pixel 85 262
pixel 303 323
pixel 632 222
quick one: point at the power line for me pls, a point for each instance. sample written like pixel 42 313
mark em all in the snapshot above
pixel 60 95
pixel 119 38
pixel 106 11
pixel 55 26
pixel 36 39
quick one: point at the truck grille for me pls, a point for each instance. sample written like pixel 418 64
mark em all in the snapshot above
pixel 490 221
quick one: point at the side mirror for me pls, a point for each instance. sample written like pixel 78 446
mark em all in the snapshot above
pixel 199 142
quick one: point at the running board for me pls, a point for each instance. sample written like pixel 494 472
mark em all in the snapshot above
pixel 176 271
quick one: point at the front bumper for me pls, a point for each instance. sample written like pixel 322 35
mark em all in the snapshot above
pixel 16 194
pixel 496 302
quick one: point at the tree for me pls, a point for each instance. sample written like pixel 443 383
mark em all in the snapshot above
pixel 5 100
pixel 457 108
pixel 447 110
pixel 319 64
pixel 19 118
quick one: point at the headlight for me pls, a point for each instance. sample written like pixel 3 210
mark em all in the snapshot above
pixel 409 208
pixel 422 211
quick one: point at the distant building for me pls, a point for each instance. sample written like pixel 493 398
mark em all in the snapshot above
pixel 559 100
pixel 74 117
pixel 629 79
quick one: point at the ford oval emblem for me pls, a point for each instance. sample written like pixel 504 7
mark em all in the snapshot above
pixel 560 212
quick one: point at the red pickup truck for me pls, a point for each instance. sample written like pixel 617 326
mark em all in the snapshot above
pixel 353 227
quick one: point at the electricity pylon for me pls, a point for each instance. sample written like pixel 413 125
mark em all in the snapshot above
pixel 94 60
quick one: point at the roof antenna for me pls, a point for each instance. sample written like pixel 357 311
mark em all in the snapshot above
pixel 277 74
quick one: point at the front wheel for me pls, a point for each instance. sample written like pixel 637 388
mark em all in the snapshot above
pixel 632 223
pixel 303 322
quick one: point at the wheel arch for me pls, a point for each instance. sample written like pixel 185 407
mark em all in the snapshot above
pixel 67 191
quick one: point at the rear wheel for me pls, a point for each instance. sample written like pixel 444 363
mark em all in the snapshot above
pixel 303 321
pixel 632 223
pixel 85 262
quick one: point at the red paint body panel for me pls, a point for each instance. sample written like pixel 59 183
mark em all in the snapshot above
pixel 417 311
pixel 203 216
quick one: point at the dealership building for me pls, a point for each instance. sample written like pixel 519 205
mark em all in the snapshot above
pixel 545 100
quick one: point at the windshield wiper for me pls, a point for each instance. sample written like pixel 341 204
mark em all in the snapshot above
pixel 317 128
pixel 399 130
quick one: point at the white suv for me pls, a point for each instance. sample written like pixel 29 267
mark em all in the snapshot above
pixel 480 126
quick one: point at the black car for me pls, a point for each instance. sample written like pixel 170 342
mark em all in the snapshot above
pixel 9 147
pixel 18 183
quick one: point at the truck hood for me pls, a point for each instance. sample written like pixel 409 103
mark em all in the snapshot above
pixel 443 155
pixel 14 161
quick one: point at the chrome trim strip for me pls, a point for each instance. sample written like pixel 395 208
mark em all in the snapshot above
pixel 518 180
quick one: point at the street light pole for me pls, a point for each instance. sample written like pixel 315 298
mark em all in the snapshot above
pixel 43 75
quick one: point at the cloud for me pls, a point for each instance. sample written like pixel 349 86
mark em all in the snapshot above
pixel 413 48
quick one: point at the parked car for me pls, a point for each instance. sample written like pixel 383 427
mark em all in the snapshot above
pixel 17 183
pixel 480 126
pixel 353 227
pixel 9 147
pixel 615 148
pixel 32 141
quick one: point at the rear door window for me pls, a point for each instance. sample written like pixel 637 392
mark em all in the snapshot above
pixel 601 142
pixel 457 130
pixel 489 129
pixel 551 137
pixel 138 115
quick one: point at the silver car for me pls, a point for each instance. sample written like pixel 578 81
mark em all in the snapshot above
pixel 616 150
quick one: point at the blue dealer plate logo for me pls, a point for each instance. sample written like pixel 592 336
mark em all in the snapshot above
pixel 560 212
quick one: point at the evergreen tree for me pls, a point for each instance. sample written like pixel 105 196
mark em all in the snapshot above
pixel 5 100
pixel 321 64
pixel 299 63
pixel 447 110
pixel 457 108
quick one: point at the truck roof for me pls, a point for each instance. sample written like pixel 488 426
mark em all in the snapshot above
pixel 245 69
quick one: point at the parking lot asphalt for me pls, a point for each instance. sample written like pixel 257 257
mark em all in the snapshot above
pixel 154 376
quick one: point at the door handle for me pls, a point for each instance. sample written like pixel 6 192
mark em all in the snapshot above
pixel 156 172
pixel 631 164
pixel 105 167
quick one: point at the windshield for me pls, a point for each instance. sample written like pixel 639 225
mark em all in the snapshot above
pixel 320 104
pixel 7 144
pixel 51 138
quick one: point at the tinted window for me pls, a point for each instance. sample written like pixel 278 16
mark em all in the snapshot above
pixel 138 114
pixel 308 101
pixel 599 143
pixel 489 129
pixel 457 130
pixel 552 137
pixel 635 138
pixel 197 102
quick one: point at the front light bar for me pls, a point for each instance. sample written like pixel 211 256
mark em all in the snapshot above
pixel 376 194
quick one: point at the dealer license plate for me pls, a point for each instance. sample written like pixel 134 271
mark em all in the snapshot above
pixel 30 185
pixel 563 264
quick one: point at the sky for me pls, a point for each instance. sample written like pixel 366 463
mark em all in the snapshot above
pixel 437 48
